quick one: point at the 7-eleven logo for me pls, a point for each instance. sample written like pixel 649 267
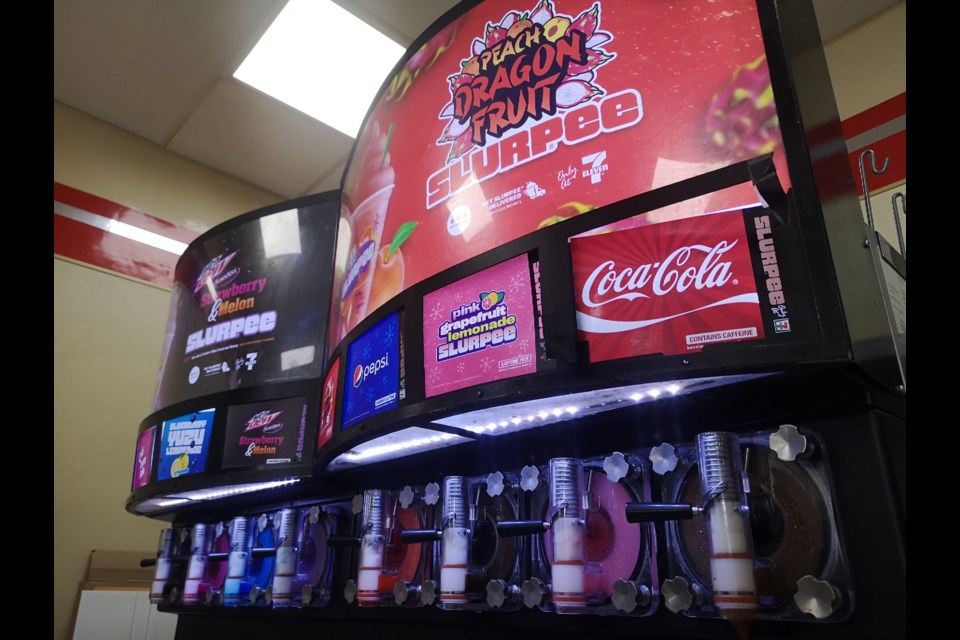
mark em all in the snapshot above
pixel 595 162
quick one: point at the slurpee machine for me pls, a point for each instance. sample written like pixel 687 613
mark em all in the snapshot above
pixel 592 340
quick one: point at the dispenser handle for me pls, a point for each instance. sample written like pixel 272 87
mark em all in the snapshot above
pixel 218 556
pixel 409 536
pixel 342 541
pixel 658 512
pixel 263 552
pixel 148 562
pixel 513 528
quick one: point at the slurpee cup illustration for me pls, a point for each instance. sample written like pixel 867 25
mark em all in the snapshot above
pixel 371 188
pixel 366 225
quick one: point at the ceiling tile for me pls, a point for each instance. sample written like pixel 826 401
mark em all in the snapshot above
pixel 243 132
pixel 329 180
pixel 143 65
pixel 401 20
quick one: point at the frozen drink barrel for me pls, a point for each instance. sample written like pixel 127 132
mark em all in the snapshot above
pixel 569 533
pixel 371 549
pixel 162 572
pixel 198 564
pixel 455 543
pixel 236 562
pixel 286 565
pixel 728 528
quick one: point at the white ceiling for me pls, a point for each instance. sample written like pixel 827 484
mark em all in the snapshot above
pixel 163 71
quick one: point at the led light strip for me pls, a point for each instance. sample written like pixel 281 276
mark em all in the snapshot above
pixel 519 416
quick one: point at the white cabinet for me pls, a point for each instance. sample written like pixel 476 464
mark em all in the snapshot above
pixel 121 615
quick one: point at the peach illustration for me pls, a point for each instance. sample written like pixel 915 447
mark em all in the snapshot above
pixel 555 27
pixel 518 27
pixel 387 278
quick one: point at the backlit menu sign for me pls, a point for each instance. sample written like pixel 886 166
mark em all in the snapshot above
pixel 266 433
pixel 373 372
pixel 667 288
pixel 184 444
pixel 480 329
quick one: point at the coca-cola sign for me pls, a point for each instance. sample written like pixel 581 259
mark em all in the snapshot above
pixel 668 288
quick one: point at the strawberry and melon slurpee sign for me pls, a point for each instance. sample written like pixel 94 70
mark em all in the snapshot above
pixel 517 115
pixel 668 288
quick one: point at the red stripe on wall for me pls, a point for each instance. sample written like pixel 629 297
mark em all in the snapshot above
pixel 95 246
pixel 892 147
pixel 115 211
pixel 875 116
pixel 81 242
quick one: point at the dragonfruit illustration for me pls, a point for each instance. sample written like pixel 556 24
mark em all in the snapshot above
pixel 742 119
pixel 576 85
pixel 420 61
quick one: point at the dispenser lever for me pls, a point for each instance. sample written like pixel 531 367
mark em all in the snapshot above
pixel 658 512
pixel 419 535
pixel 513 528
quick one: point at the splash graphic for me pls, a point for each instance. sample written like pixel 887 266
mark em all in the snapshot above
pixel 523 68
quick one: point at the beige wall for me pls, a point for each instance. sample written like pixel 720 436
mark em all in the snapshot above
pixel 868 65
pixel 107 336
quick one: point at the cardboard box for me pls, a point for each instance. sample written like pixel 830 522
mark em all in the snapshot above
pixel 118 570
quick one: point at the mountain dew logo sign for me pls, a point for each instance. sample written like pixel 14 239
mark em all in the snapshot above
pixel 523 68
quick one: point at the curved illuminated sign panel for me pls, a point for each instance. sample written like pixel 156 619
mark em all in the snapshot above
pixel 516 116
pixel 249 307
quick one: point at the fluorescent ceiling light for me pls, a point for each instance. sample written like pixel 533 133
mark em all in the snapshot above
pixel 322 60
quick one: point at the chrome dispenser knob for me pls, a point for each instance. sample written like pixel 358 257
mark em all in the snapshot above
pixel 533 592
pixel 676 594
pixel 494 484
pixel 529 478
pixel 817 597
pixel 627 595
pixel 664 458
pixel 498 591
pixel 431 493
pixel 306 594
pixel 616 467
pixel 788 442
pixel 350 591
pixel 406 497
pixel 428 593
pixel 401 591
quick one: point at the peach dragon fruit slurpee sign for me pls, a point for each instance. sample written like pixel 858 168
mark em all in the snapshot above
pixel 517 115
pixel 480 329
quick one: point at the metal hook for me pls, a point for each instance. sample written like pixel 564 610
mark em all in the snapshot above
pixel 863 180
pixel 902 197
